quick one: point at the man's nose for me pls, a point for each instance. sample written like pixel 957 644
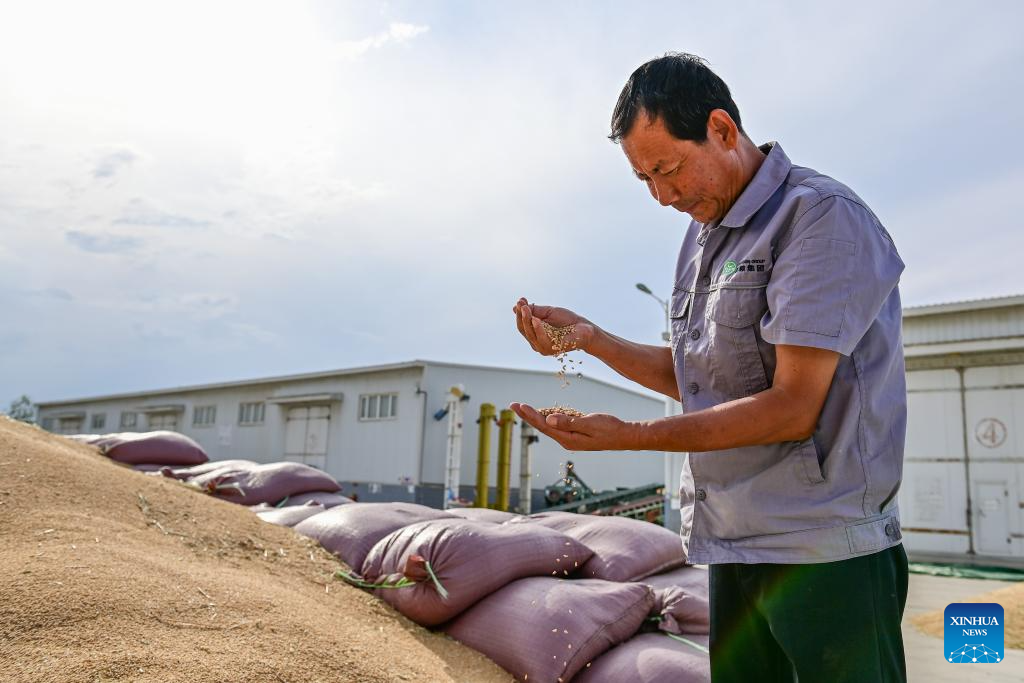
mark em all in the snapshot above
pixel 664 193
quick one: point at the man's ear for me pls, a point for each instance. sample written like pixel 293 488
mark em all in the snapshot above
pixel 722 128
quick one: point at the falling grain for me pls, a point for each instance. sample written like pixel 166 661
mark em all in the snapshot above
pixel 562 343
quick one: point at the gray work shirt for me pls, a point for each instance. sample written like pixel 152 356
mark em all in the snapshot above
pixel 799 259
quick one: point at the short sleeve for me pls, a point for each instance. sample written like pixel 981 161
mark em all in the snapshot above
pixel 831 279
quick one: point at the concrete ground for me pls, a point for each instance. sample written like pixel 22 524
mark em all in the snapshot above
pixel 925 660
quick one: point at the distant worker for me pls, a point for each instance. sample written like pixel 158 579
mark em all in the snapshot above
pixel 787 357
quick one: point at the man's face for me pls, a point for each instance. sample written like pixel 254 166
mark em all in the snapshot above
pixel 699 179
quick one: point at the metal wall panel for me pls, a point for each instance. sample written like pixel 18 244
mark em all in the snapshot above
pixel 934 423
pixel 384 451
pixel 933 496
pixel 995 417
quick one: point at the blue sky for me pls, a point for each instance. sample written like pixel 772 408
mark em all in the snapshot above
pixel 193 191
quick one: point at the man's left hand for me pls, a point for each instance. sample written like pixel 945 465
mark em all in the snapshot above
pixel 594 432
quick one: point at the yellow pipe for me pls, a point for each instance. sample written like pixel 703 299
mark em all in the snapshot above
pixel 483 454
pixel 508 419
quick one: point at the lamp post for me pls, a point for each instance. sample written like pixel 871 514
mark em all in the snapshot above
pixel 672 502
pixel 666 336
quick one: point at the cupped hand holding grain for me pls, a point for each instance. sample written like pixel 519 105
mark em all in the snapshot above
pixel 594 432
pixel 531 318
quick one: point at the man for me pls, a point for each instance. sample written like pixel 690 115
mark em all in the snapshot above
pixel 787 356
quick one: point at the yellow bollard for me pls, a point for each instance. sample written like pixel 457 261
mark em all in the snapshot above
pixel 483 454
pixel 505 424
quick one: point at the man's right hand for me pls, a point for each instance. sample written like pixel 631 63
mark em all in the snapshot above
pixel 530 319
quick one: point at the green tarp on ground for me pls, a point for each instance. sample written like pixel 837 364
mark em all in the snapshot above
pixel 963 571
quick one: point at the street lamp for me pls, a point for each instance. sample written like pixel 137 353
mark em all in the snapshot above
pixel 666 336
pixel 672 501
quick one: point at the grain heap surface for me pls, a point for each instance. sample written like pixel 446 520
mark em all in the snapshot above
pixel 1012 600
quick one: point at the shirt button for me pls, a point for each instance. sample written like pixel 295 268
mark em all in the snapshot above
pixel 694 334
pixel 701 494
pixel 890 530
pixel 693 387
pixel 706 280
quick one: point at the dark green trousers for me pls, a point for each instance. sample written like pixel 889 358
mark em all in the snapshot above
pixel 832 622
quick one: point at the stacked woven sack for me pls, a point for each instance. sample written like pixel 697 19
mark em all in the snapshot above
pixel 248 483
pixel 282 492
pixel 146 450
pixel 548 597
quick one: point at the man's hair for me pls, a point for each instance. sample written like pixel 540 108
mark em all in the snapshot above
pixel 679 88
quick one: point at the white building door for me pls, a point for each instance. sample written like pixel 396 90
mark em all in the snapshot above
pixel 995 419
pixel 168 421
pixel 992 517
pixel 933 495
pixel 306 435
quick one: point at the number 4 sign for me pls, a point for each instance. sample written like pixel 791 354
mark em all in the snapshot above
pixel 990 432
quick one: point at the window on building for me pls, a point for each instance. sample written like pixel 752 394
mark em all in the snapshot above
pixel 47 424
pixel 378 406
pixel 251 413
pixel 204 416
pixel 69 425
pixel 162 421
pixel 98 421
pixel 129 420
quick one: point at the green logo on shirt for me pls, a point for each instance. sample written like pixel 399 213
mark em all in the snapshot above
pixel 729 268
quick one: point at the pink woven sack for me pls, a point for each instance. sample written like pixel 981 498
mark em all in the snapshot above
pixel 546 629
pixel 455 563
pixel 268 483
pixel 291 515
pixel 187 473
pixel 624 549
pixel 483 514
pixel 161 448
pixel 652 658
pixel 328 500
pixel 681 600
pixel 350 531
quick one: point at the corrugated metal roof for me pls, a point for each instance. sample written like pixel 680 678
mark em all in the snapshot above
pixel 318 375
pixel 238 383
pixel 966 305
pixel 963 321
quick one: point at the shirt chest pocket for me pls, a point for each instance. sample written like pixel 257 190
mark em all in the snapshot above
pixel 732 317
pixel 679 310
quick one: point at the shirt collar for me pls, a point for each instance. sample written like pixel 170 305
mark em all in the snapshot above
pixel 773 172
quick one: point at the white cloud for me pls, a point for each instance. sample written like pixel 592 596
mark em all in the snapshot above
pixel 139 212
pixel 51 292
pixel 397 33
pixel 109 164
pixel 192 305
pixel 102 243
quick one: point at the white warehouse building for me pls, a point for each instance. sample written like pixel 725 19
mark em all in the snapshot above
pixel 374 428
